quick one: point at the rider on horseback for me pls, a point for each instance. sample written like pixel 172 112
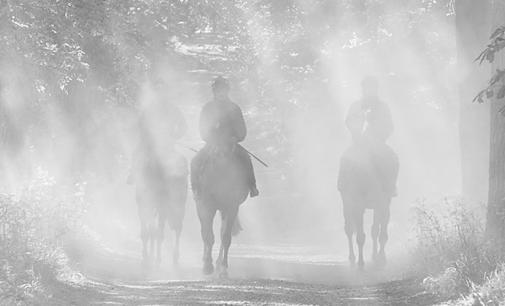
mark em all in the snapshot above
pixel 159 172
pixel 222 127
pixel 370 123
pixel 160 125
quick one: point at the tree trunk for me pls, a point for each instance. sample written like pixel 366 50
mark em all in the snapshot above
pixel 472 27
pixel 496 200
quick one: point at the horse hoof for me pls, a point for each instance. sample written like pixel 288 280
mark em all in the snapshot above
pixel 208 269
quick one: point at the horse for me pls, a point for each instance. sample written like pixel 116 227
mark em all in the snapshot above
pixel 161 192
pixel 223 187
pixel 362 187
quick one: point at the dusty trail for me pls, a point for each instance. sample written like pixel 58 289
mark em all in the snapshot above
pixel 118 279
pixel 243 292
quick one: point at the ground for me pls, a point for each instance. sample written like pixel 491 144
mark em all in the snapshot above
pixel 259 275
pixel 243 292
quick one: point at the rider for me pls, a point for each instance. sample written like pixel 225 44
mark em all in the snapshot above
pixel 370 123
pixel 160 125
pixel 222 125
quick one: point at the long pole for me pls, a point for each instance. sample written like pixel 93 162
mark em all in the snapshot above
pixel 248 152
pixel 255 157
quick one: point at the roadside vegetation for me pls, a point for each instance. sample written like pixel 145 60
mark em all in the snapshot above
pixel 33 228
pixel 459 262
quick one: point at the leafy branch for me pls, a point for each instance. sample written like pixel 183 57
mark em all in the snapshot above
pixel 496 85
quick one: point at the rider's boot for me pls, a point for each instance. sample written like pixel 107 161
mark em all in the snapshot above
pixel 254 192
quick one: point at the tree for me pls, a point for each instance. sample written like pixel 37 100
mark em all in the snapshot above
pixel 472 24
pixel 495 91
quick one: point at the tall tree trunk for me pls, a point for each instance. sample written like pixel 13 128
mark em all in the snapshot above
pixel 472 27
pixel 496 199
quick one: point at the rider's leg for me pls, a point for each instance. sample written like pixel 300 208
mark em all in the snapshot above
pixel 245 160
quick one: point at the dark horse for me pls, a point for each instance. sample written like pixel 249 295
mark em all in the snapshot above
pixel 161 190
pixel 362 187
pixel 222 187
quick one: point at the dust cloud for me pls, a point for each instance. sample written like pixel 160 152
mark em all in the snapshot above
pixel 295 124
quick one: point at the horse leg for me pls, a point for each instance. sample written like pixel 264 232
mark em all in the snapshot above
pixel 206 216
pixel 160 233
pixel 349 229
pixel 144 225
pixel 229 217
pixel 375 233
pixel 383 235
pixel 219 259
pixel 360 235
pixel 152 238
pixel 144 236
pixel 175 259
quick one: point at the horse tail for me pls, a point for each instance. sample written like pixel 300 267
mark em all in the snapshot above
pixel 237 227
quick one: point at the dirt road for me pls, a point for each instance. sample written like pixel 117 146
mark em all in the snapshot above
pixel 263 278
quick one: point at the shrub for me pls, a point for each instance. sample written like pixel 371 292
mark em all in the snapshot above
pixel 32 227
pixel 452 249
pixel 491 292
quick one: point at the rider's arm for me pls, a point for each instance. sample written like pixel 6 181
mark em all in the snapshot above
pixel 239 126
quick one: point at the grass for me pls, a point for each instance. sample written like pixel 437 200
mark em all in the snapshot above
pixel 452 250
pixel 32 228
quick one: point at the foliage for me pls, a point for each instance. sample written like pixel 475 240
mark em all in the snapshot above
pixel 491 292
pixel 452 249
pixel 31 233
pixel 496 86
pixel 112 42
pixel 77 58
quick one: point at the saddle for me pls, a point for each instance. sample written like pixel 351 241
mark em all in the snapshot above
pixel 218 170
pixel 362 169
